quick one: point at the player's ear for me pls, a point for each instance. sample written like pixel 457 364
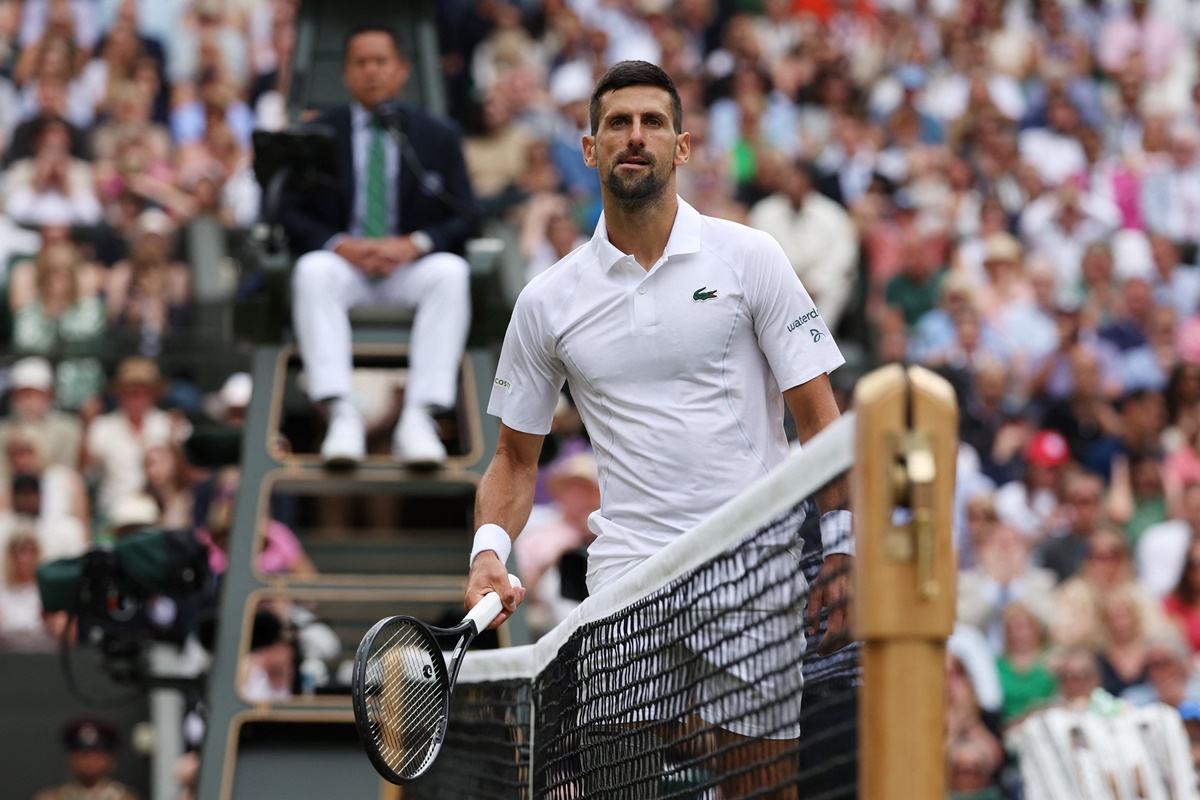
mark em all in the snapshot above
pixel 683 148
pixel 589 151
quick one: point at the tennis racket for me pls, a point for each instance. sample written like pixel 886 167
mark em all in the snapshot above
pixel 402 686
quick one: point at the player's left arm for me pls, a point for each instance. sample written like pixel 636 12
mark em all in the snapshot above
pixel 799 347
pixel 813 407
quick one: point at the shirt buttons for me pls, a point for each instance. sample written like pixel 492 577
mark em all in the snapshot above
pixel 641 290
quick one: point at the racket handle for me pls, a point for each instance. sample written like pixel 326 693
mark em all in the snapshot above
pixel 489 607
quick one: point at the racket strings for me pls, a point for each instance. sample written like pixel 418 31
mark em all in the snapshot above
pixel 405 693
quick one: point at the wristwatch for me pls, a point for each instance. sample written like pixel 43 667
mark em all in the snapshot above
pixel 423 242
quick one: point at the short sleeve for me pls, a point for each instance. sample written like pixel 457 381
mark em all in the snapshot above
pixel 529 375
pixel 791 331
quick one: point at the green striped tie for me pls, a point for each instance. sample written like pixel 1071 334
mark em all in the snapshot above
pixel 375 217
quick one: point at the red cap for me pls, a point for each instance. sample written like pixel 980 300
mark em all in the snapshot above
pixel 1047 449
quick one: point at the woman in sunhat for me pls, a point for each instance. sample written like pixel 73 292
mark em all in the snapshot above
pixel 117 442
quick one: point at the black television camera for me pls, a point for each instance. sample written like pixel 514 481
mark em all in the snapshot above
pixel 150 585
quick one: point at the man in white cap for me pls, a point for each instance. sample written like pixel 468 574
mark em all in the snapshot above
pixel 31 406
pixel 230 404
pixel 571 89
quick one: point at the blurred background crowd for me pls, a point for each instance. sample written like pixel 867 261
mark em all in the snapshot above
pixel 1006 191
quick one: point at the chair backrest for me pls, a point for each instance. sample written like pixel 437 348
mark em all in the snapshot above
pixel 320 30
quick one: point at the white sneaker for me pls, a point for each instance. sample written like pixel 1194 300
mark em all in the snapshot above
pixel 416 442
pixel 345 442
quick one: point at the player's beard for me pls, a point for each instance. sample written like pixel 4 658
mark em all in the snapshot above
pixel 636 188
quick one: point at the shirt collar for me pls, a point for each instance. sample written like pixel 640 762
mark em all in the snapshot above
pixel 685 237
pixel 360 118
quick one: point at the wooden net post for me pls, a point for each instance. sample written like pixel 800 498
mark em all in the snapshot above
pixel 903 492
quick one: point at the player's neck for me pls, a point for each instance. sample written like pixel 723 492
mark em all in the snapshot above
pixel 642 229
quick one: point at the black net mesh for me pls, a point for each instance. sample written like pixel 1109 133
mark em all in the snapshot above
pixel 486 753
pixel 708 687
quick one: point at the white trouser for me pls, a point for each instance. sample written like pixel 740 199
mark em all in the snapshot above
pixel 325 286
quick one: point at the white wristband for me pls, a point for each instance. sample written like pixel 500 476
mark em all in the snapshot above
pixel 837 532
pixel 491 537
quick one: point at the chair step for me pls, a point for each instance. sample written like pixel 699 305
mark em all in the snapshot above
pixel 409 555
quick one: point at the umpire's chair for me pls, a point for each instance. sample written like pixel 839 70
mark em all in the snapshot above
pixel 304 746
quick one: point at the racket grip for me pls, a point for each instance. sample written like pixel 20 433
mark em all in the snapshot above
pixel 489 607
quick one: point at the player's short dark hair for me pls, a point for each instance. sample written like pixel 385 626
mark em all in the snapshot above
pixel 635 73
pixel 372 27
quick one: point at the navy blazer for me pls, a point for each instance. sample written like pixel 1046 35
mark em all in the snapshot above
pixel 313 218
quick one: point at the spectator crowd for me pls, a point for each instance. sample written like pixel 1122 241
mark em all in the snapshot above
pixel 1005 192
pixel 124 124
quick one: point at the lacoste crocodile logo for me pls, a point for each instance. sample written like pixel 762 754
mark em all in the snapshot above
pixel 702 294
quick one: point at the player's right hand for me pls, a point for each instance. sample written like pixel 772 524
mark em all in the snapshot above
pixel 489 575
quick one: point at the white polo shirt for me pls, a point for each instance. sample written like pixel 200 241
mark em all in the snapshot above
pixel 677 373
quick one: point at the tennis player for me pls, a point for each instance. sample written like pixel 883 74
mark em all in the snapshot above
pixel 681 337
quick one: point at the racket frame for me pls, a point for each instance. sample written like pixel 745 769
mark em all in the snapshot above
pixel 429 636
pixel 476 620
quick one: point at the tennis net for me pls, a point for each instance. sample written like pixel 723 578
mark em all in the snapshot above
pixel 692 676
